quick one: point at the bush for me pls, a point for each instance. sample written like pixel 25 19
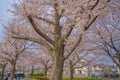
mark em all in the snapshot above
pixel 39 74
pixel 36 75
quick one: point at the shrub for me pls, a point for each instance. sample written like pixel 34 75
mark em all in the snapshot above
pixel 39 74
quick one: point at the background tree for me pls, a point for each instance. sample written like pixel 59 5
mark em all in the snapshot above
pixel 46 62
pixel 3 64
pixel 107 34
pixel 110 44
pixel 22 65
pixel 33 57
pixel 12 49
pixel 73 63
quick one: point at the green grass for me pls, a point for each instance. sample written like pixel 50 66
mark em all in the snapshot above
pixel 82 79
pixel 37 76
pixel 41 76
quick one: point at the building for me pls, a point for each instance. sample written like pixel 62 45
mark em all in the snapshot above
pixel 93 70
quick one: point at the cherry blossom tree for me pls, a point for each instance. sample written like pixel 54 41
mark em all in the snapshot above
pixel 33 58
pixel 107 33
pixel 3 64
pixel 47 63
pixel 110 43
pixel 12 49
pixel 73 62
pixel 80 60
pixel 84 54
pixel 54 24
pixel 22 65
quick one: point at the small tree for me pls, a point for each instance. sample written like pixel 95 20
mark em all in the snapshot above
pixel 3 64
pixel 105 35
pixel 108 39
pixel 45 61
pixel 12 49
pixel 33 57
pixel 22 65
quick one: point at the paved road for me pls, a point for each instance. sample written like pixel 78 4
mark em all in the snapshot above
pixel 24 79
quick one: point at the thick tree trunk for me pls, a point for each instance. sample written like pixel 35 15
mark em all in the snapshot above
pixel 58 62
pixel 13 72
pixel 2 74
pixel 57 69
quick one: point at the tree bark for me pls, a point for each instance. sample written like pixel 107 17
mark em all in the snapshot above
pixel 71 74
pixel 32 71
pixel 71 70
pixel 58 62
pixel 57 69
pixel 45 71
pixel 2 73
pixel 13 72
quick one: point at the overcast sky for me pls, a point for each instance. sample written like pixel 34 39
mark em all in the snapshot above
pixel 4 14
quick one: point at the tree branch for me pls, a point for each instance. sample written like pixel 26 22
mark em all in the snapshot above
pixel 57 28
pixel 39 32
pixel 82 65
pixel 68 32
pixel 26 47
pixel 74 47
pixel 95 4
pixel 6 53
pixel 45 20
pixel 112 57
pixel 90 22
pixel 36 41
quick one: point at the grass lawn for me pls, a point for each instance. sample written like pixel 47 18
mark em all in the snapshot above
pixel 40 76
pixel 83 79
pixel 43 78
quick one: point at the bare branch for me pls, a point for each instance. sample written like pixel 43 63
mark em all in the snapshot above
pixel 113 58
pixel 81 66
pixel 6 53
pixel 45 20
pixel 26 47
pixel 39 32
pixel 90 22
pixel 95 4
pixel 74 47
pixel 68 32
pixel 36 41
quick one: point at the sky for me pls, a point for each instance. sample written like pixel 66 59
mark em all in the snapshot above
pixel 4 14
